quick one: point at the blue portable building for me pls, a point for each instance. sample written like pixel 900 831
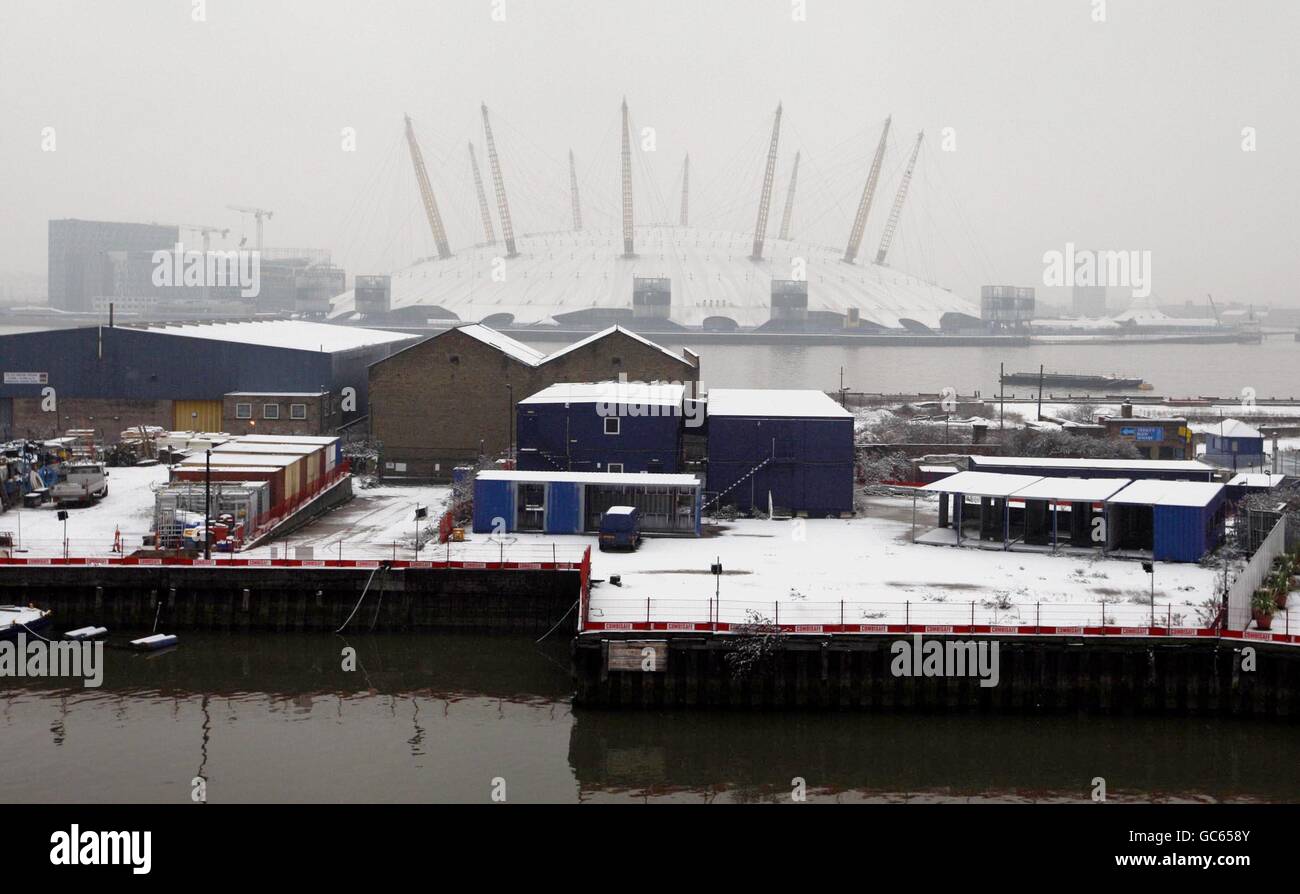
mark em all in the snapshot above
pixel 1176 521
pixel 1235 445
pixel 601 427
pixel 573 502
pixel 791 450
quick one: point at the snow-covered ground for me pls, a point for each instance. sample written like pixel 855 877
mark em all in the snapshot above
pixel 802 569
pixel 377 523
pixel 368 526
pixel 128 507
pixel 794 571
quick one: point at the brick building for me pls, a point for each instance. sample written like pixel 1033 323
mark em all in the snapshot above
pixel 1154 438
pixel 279 413
pixel 111 378
pixel 452 398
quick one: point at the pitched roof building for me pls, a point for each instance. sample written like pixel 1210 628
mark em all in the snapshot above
pixel 451 398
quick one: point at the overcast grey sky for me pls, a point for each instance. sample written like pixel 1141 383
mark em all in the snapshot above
pixel 1122 134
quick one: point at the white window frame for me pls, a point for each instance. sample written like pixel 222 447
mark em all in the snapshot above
pixel 614 468
pixel 243 411
pixel 618 425
pixel 266 411
pixel 297 411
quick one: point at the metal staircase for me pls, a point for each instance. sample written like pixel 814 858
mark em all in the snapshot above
pixel 739 481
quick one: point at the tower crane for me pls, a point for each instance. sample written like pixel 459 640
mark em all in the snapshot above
pixel 206 231
pixel 258 213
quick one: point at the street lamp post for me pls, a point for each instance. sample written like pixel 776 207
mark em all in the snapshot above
pixel 207 502
pixel 510 421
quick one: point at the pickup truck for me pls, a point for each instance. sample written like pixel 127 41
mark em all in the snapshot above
pixel 83 482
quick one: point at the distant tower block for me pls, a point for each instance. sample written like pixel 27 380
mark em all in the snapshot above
pixel 426 194
pixel 503 205
pixel 686 190
pixel 489 234
pixel 789 201
pixel 573 192
pixel 373 294
pixel 628 250
pixel 765 200
pixel 652 297
pixel 887 238
pixel 864 204
pixel 790 300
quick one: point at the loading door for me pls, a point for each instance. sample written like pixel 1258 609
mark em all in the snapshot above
pixel 196 415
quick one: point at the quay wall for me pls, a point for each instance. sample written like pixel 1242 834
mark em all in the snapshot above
pixel 1037 674
pixel 296 598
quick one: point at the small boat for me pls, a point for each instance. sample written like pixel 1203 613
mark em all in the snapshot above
pixel 16 619
pixel 154 643
pixel 83 633
pixel 1072 380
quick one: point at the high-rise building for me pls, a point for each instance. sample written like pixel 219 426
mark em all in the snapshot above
pixel 78 263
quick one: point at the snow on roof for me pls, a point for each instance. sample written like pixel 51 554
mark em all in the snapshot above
pixel 982 484
pixel 1149 492
pixel 1256 479
pixel 245 447
pixel 287 439
pixel 503 343
pixel 767 402
pixel 620 510
pixel 646 479
pixel 243 459
pixel 1232 428
pixel 711 270
pixel 654 393
pixel 1082 490
pixel 610 331
pixel 1049 462
pixel 296 334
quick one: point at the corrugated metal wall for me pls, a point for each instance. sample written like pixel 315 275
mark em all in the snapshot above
pixel 811 468
pixel 555 437
pixel 196 415
pixel 492 500
pixel 563 508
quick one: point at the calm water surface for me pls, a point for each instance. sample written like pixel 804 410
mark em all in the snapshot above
pixel 434 718
pixel 1271 368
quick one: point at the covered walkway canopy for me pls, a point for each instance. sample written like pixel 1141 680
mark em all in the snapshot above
pixel 1174 520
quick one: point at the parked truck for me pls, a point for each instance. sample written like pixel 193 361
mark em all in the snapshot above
pixel 83 482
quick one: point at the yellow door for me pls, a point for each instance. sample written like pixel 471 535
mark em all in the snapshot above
pixel 196 415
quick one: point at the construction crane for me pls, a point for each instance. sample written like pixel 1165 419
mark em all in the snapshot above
pixel 206 232
pixel 891 225
pixel 258 213
pixel 1213 308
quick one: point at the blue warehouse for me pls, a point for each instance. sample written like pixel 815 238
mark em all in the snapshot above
pixel 573 502
pixel 601 427
pixel 790 451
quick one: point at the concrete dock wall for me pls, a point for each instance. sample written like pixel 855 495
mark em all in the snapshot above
pixel 282 599
pixel 1036 674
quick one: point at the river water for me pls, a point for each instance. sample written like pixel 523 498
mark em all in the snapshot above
pixel 438 718
pixel 1272 368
